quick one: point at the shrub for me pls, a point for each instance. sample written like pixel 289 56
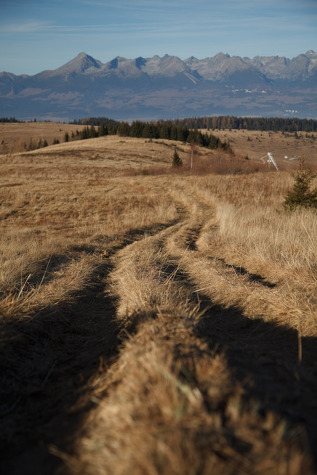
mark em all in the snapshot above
pixel 177 161
pixel 301 194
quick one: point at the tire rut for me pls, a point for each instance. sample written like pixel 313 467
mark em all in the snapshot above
pixel 181 349
pixel 261 351
pixel 163 375
pixel 60 349
pixel 262 354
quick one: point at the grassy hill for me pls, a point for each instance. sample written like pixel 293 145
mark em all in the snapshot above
pixel 156 320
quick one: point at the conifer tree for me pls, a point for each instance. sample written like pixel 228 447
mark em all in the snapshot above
pixel 301 195
pixel 177 161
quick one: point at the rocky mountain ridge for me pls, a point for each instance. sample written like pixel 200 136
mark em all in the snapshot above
pixel 160 87
pixel 212 68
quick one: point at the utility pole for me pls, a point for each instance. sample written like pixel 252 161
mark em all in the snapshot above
pixel 193 149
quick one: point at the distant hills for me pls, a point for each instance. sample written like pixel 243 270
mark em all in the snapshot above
pixel 165 87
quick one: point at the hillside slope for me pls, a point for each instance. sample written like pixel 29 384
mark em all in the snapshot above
pixel 153 324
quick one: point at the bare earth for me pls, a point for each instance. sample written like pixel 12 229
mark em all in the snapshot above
pixel 156 321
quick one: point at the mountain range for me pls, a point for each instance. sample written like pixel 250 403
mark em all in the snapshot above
pixel 165 87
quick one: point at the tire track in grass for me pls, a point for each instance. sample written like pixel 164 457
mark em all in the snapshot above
pixel 175 401
pixel 177 391
pixel 248 318
pixel 52 356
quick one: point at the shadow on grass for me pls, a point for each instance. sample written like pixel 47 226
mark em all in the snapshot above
pixel 46 364
pixel 265 357
pixel 242 271
pixel 49 361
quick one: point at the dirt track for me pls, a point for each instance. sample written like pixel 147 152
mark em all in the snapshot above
pixel 135 337
pixel 160 365
pixel 260 374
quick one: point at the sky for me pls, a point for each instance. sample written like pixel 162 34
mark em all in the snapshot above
pixel 44 34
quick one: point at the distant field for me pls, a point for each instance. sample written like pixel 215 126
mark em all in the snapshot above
pixel 253 144
pixel 153 320
pixel 15 137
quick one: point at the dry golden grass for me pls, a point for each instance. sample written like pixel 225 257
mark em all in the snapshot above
pixel 14 137
pixel 173 407
pixel 154 324
pixel 255 144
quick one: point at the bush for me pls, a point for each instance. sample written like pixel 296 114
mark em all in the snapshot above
pixel 177 161
pixel 301 195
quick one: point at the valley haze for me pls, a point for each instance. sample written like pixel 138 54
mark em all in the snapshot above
pixel 165 87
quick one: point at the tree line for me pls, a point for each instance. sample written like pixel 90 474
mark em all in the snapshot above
pixel 274 124
pixel 94 121
pixel 151 130
pixel 10 120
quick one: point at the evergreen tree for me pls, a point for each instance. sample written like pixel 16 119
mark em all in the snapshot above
pixel 112 128
pixel 102 130
pixel 123 129
pixel 182 134
pixel 177 161
pixel 301 195
pixel 136 129
pixel 92 132
pixel 85 133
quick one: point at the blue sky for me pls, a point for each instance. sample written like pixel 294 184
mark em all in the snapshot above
pixel 41 34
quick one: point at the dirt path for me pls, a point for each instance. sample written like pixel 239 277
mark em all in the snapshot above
pixel 197 383
pixel 162 367
pixel 260 353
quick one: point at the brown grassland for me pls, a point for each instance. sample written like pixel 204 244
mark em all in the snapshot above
pixel 16 137
pixel 153 320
